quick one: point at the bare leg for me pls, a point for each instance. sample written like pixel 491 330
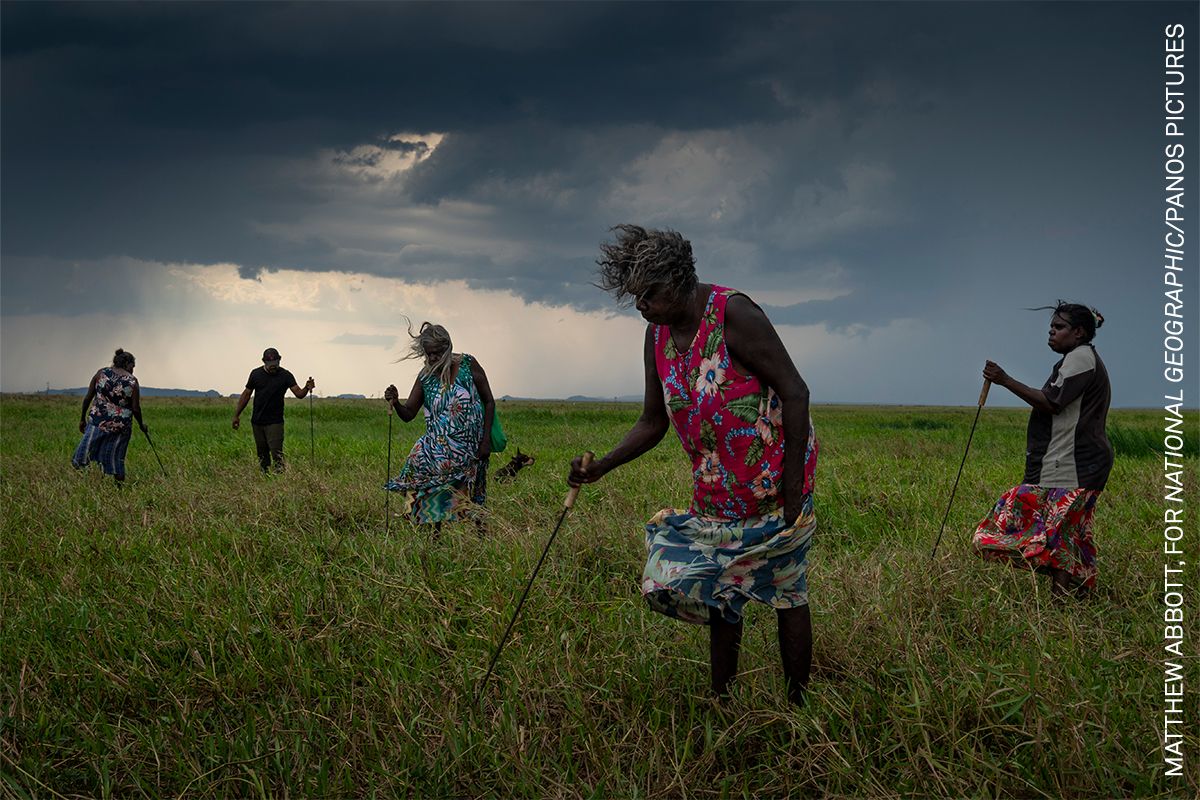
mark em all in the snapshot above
pixel 795 650
pixel 724 644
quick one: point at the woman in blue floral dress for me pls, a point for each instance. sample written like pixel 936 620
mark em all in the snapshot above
pixel 112 402
pixel 445 475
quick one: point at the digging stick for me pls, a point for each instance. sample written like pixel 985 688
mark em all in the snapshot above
pixel 570 501
pixel 387 503
pixel 982 400
pixel 155 451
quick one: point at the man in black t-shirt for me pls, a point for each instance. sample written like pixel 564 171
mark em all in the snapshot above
pixel 268 384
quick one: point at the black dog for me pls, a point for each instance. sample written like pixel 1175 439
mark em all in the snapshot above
pixel 517 463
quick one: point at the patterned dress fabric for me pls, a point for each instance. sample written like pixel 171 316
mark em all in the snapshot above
pixel 112 407
pixel 109 423
pixel 695 563
pixel 731 545
pixel 1043 527
pixel 730 425
pixel 443 478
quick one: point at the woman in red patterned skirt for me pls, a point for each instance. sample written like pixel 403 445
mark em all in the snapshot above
pixel 1046 521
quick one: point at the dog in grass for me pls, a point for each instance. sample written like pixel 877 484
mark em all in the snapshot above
pixel 517 463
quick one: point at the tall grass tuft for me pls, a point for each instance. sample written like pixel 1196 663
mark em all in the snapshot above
pixel 1147 442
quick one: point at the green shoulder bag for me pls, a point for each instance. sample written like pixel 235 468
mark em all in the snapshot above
pixel 499 440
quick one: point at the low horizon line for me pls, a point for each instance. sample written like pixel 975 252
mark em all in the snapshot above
pixel 207 394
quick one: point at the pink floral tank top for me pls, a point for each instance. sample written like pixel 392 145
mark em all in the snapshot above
pixel 729 423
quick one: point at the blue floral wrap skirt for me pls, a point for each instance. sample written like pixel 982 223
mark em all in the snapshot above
pixel 698 563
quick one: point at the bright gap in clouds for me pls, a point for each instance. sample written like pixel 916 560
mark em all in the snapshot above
pixel 392 156
pixel 205 327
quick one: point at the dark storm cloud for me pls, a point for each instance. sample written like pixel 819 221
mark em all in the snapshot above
pixel 158 131
pixel 420 148
pixel 912 157
pixel 229 67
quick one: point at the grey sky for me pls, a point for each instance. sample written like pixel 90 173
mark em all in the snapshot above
pixel 924 171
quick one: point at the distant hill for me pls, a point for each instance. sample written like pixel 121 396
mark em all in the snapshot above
pixel 577 398
pixel 625 398
pixel 351 397
pixel 147 391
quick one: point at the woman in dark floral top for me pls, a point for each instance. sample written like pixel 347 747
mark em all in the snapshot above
pixel 113 401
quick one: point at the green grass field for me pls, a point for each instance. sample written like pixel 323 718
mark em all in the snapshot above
pixel 221 633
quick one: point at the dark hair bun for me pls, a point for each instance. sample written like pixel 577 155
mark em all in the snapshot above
pixel 122 358
pixel 1099 318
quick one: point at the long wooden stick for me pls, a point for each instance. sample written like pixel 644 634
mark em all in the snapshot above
pixel 387 503
pixel 570 501
pixel 154 450
pixel 982 400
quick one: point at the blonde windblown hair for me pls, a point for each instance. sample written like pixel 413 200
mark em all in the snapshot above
pixel 433 337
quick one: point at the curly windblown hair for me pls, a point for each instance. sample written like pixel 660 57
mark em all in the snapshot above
pixel 1077 316
pixel 433 338
pixel 640 259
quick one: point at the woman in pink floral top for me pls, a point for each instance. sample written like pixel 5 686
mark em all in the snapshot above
pixel 113 401
pixel 718 374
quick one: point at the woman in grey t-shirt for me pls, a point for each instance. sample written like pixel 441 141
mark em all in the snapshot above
pixel 1046 521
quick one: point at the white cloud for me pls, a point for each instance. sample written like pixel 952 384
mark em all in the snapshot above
pixel 333 295
pixel 213 341
pixel 364 340
pixel 691 179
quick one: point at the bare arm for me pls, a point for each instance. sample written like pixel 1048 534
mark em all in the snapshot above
pixel 309 385
pixel 1034 397
pixel 87 402
pixel 754 344
pixel 411 406
pixel 245 398
pixel 137 406
pixel 489 407
pixel 647 432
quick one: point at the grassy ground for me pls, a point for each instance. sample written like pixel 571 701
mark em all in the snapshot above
pixel 223 633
